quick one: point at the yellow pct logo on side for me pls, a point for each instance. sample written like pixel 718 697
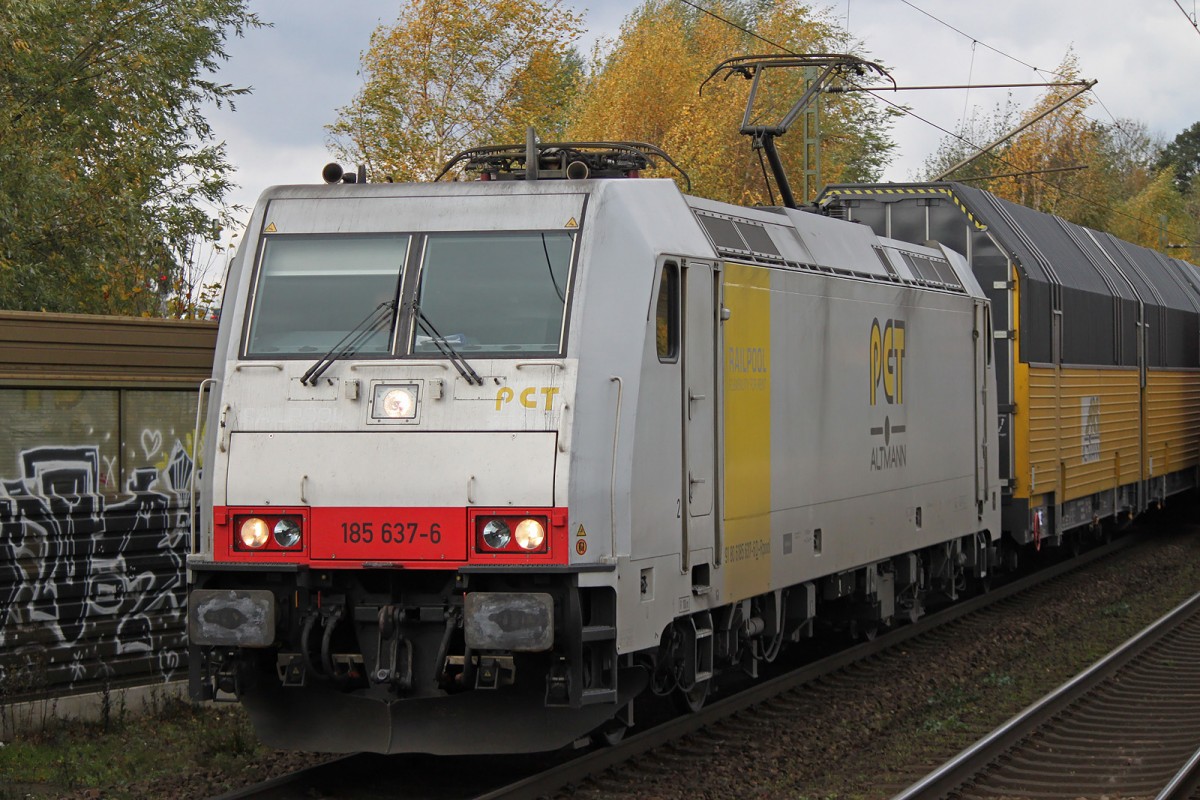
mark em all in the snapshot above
pixel 887 360
pixel 528 397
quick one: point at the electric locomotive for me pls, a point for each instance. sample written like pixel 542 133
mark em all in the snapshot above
pixel 485 460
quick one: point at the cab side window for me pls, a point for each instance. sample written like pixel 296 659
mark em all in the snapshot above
pixel 666 316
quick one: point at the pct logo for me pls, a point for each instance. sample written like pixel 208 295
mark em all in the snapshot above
pixel 887 373
pixel 887 361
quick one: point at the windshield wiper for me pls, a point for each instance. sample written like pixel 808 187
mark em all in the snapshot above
pixel 349 344
pixel 550 266
pixel 447 349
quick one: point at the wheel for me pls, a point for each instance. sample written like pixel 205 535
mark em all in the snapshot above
pixel 978 586
pixel 610 733
pixel 863 631
pixel 693 699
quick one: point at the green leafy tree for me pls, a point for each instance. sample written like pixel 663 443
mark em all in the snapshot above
pixel 1182 155
pixel 976 131
pixel 1156 216
pixel 1127 156
pixel 452 74
pixel 109 173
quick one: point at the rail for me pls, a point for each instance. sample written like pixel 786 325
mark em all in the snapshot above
pixel 530 776
pixel 968 765
pixel 1185 783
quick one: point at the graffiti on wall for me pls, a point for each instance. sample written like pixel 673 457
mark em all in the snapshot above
pixel 92 579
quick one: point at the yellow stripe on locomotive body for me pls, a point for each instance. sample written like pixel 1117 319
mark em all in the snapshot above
pixel 747 375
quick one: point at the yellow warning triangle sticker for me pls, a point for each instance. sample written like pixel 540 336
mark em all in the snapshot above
pixel 270 228
pixel 571 223
pixel 581 531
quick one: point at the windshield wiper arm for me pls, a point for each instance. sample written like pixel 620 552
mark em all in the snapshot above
pixel 447 349
pixel 350 343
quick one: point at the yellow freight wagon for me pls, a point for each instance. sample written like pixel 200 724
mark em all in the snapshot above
pixel 1097 344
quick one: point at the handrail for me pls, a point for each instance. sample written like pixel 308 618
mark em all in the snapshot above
pixel 612 481
pixel 205 386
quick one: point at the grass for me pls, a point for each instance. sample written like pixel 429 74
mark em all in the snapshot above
pixel 1116 610
pixel 944 710
pixel 123 750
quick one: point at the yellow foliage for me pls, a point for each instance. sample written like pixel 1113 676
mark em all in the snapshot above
pixel 452 74
pixel 647 89
pixel 1157 216
pixel 1064 138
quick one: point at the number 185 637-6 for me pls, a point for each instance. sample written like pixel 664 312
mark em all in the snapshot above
pixel 390 532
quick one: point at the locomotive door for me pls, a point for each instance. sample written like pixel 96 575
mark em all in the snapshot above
pixel 699 412
pixel 983 359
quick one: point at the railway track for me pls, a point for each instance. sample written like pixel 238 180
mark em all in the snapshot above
pixel 1127 727
pixel 369 776
pixel 682 743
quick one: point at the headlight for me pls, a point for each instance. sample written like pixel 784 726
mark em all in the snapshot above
pixel 287 533
pixel 496 534
pixel 254 532
pixel 530 534
pixel 394 402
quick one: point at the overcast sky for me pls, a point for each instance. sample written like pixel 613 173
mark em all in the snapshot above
pixel 1144 53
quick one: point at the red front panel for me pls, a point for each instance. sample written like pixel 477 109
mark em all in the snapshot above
pixel 416 538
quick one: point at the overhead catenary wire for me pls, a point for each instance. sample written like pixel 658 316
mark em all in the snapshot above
pixel 1000 159
pixel 1190 17
pixel 1022 173
pixel 970 75
pixel 1129 136
pixel 874 92
pixel 995 50
pixel 741 28
pixel 974 41
pixel 1028 123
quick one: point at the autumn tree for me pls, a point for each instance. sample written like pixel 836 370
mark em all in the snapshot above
pixel 109 173
pixel 645 87
pixel 1046 154
pixel 452 74
pixel 1102 175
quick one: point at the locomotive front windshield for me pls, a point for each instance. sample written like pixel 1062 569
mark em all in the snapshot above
pixel 313 290
pixel 498 292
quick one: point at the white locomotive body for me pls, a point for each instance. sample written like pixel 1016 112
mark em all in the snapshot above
pixel 486 460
